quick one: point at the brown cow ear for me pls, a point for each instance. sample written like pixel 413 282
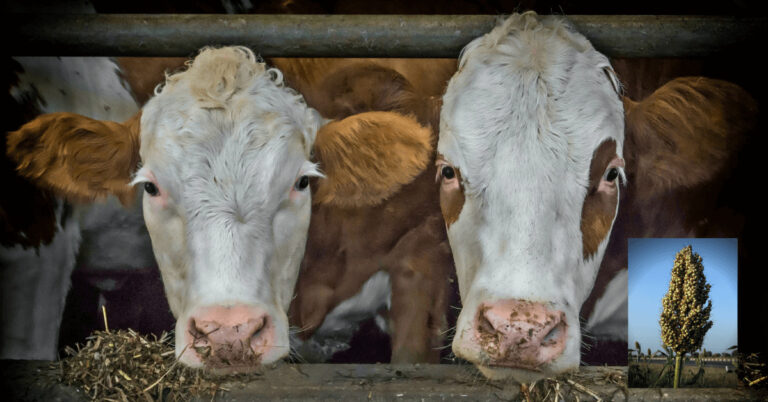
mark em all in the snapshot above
pixel 368 157
pixel 77 157
pixel 686 133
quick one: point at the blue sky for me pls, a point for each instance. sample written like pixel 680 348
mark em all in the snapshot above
pixel 650 264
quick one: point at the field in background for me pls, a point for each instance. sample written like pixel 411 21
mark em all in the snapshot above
pixel 650 375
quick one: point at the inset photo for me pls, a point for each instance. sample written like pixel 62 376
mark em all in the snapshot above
pixel 682 313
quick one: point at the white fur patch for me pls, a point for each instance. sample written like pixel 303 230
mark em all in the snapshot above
pixel 33 289
pixel 89 86
pixel 610 316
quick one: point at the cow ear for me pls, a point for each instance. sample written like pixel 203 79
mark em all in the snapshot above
pixel 77 157
pixel 369 156
pixel 686 133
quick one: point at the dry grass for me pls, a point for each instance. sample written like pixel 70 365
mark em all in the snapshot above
pixel 577 386
pixel 603 384
pixel 125 366
pixel 753 370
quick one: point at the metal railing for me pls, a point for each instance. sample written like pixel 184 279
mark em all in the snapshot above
pixel 358 35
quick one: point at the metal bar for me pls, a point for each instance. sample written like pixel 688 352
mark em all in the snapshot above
pixel 357 35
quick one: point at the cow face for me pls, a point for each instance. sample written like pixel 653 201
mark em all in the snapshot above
pixel 530 151
pixel 223 154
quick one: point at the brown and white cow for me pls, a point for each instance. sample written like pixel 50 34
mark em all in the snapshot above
pixel 367 256
pixel 223 153
pixel 533 147
pixel 41 234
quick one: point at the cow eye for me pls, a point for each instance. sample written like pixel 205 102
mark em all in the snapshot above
pixel 612 174
pixel 448 172
pixel 151 189
pixel 301 183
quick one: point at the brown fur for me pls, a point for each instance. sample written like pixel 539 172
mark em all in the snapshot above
pixel 452 202
pixel 77 157
pixel 339 88
pixel 693 126
pixel 599 208
pixel 143 74
pixel 364 86
pixel 680 147
pixel 642 76
pixel 404 235
pixel 368 157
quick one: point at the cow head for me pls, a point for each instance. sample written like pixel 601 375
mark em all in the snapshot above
pixel 224 155
pixel 530 146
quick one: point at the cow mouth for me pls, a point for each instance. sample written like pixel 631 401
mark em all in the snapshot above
pixel 229 355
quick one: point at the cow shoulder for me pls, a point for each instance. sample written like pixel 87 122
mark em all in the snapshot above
pixel 77 157
pixel 686 133
pixel 369 156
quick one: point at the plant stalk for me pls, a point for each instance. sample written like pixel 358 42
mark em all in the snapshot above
pixel 678 358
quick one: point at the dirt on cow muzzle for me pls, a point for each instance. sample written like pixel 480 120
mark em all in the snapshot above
pixel 234 356
pixel 229 358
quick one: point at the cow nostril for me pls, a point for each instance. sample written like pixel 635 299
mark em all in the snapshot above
pixel 258 327
pixel 201 330
pixel 554 335
pixel 194 331
pixel 485 326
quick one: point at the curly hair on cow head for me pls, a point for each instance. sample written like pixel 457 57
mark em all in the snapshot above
pixel 216 74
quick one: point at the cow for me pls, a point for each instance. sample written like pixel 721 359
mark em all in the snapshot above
pixel 533 147
pixel 47 240
pixel 41 234
pixel 392 256
pixel 116 254
pixel 222 152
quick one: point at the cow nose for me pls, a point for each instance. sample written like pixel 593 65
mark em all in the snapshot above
pixel 229 337
pixel 520 333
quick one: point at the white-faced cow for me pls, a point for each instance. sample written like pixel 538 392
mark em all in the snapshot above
pixel 223 153
pixel 533 148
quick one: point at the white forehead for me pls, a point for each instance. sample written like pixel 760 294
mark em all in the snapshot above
pixel 532 90
pixel 226 113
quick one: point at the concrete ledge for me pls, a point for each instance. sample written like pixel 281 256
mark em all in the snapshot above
pixel 32 381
